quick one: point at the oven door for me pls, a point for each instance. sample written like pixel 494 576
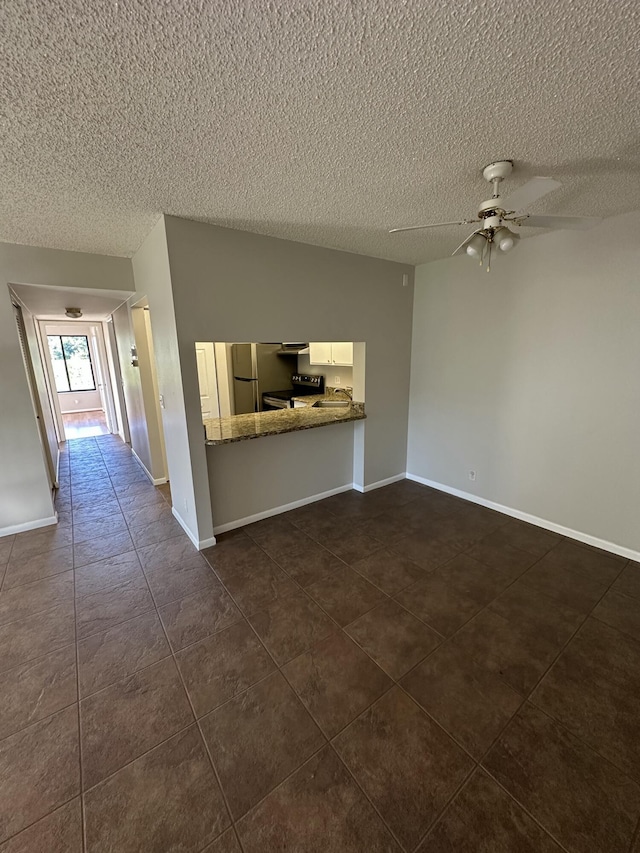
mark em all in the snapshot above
pixel 270 404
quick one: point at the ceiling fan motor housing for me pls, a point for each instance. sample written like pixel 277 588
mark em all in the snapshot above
pixel 499 170
pixel 491 213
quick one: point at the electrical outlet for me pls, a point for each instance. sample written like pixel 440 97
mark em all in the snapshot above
pixel 472 475
pixel 336 380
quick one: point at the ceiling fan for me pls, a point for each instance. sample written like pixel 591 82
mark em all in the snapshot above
pixel 496 211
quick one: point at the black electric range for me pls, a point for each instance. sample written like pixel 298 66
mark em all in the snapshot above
pixel 303 385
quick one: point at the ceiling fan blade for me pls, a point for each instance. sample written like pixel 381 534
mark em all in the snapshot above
pixel 528 193
pixel 576 222
pixel 433 225
pixel 462 247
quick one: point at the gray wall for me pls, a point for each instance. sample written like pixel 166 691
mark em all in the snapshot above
pixel 183 436
pixel 233 285
pixel 256 468
pixel 531 376
pixel 25 498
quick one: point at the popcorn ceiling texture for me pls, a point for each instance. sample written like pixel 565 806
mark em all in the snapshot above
pixel 324 121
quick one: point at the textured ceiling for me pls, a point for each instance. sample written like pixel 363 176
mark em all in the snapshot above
pixel 325 121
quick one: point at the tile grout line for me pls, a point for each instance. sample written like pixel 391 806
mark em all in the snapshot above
pixel 526 811
pixel 436 820
pixel 80 768
pixel 195 717
pixel 83 822
pixel 635 837
pixel 34 822
pixel 364 793
pixel 131 761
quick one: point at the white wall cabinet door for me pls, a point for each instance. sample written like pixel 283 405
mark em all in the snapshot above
pixel 320 353
pixel 338 352
pixel 342 353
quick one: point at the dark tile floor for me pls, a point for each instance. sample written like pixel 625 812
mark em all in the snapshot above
pixel 396 671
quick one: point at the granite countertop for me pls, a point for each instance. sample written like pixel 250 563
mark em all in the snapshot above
pixel 246 427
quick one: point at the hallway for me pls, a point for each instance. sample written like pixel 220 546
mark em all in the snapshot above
pixel 399 670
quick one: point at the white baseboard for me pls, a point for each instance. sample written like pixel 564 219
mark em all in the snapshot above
pixel 79 411
pixel 585 538
pixel 199 543
pixel 157 481
pixel 380 483
pixel 28 525
pixel 277 510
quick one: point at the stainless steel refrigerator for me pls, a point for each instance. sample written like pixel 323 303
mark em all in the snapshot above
pixel 257 368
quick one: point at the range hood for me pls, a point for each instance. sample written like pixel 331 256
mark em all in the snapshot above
pixel 288 348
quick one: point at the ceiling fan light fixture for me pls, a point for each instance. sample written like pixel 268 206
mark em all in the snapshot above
pixel 476 246
pixel 505 239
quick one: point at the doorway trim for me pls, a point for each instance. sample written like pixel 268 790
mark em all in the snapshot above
pixel 50 465
pixel 102 373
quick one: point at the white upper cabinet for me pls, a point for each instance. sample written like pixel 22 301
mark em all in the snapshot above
pixel 338 352
pixel 342 353
pixel 320 353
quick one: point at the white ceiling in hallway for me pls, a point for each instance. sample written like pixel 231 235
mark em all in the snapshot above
pixel 50 303
pixel 322 121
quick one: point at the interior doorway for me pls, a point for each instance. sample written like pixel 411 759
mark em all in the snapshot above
pixel 79 380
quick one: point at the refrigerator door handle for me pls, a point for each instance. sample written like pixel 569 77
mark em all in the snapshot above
pixel 244 379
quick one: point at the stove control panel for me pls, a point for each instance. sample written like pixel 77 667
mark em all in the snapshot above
pixel 310 381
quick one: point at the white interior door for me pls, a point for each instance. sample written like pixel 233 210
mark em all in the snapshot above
pixel 206 362
pixel 103 380
pixel 115 372
pixel 51 466
pixel 54 400
pixel 97 368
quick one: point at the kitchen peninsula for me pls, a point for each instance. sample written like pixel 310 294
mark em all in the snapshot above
pixel 260 424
